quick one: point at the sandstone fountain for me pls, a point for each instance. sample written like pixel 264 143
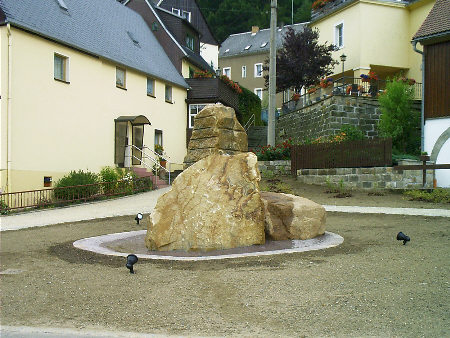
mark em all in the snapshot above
pixel 216 202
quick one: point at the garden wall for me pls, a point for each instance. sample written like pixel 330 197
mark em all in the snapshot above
pixel 368 178
pixel 325 118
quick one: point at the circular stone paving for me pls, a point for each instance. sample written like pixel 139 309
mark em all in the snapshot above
pixel 124 243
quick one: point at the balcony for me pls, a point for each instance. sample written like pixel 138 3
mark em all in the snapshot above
pixel 212 90
pixel 346 86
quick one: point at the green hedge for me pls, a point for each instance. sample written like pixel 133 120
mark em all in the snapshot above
pixel 249 104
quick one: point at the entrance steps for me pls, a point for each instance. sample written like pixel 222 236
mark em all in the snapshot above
pixel 257 137
pixel 157 181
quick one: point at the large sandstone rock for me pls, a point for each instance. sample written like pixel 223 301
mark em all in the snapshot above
pixel 292 217
pixel 216 131
pixel 214 204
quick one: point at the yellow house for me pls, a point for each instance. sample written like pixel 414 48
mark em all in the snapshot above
pixel 374 35
pixel 80 79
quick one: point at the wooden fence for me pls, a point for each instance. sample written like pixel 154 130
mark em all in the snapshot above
pixel 350 154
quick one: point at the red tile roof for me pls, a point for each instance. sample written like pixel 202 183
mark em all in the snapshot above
pixel 437 21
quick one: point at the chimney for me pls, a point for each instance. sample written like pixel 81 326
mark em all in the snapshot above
pixel 255 29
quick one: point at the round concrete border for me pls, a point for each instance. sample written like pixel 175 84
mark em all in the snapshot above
pixel 94 244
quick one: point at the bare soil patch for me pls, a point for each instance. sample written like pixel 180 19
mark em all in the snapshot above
pixel 371 285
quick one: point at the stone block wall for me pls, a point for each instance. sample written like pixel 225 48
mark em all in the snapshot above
pixel 281 167
pixel 367 178
pixel 326 117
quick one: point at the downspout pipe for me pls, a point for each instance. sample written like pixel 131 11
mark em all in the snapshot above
pixel 8 112
pixel 422 115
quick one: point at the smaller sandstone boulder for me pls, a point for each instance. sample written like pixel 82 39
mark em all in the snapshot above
pixel 292 217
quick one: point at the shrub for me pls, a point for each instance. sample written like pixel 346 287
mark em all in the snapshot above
pixel 438 195
pixel 398 120
pixel 352 133
pixel 75 179
pixel 109 176
pixel 4 208
pixel 281 151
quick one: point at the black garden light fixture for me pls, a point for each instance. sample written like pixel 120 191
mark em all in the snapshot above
pixel 138 218
pixel 131 260
pixel 402 237
pixel 343 57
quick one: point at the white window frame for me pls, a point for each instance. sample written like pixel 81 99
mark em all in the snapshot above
pixel 176 11
pixel 65 67
pixel 124 85
pixel 227 70
pixel 168 93
pixel 256 90
pixel 339 27
pixel 244 71
pixel 152 93
pixel 258 74
pixel 198 107
pixel 158 139
pixel 186 15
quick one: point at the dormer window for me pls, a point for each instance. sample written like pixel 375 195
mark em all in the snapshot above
pixel 227 50
pixel 186 15
pixel 190 41
pixel 176 11
pixel 264 44
pixel 247 47
pixel 62 5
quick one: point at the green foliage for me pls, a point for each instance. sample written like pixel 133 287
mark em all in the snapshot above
pixel 398 156
pixel 438 195
pixel 352 133
pixel 281 151
pixel 398 120
pixel 76 178
pixel 109 174
pixel 339 189
pixel 227 17
pixel 249 104
pixel 4 208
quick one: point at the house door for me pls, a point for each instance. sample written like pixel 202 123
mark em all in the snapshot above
pixel 127 150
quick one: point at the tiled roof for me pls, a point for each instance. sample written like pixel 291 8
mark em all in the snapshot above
pixel 104 28
pixel 254 43
pixel 437 21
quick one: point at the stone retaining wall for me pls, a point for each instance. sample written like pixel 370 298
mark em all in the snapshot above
pixel 367 178
pixel 327 116
pixel 281 167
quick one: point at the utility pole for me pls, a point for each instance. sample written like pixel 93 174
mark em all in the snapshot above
pixel 272 73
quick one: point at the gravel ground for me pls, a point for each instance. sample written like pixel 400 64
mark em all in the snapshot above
pixel 371 285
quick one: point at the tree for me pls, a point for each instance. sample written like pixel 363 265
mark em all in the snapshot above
pixel 398 120
pixel 302 61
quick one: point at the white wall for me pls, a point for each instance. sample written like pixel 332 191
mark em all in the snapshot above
pixel 433 129
pixel 210 53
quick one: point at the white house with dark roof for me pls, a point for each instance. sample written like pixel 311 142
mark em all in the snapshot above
pixel 80 80
pixel 242 56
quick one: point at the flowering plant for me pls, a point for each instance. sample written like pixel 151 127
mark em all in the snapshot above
pixel 159 149
pixel 230 83
pixel 311 89
pixel 281 151
pixel 202 74
pixel 326 82
pixel 408 81
pixel 296 96
pixel 367 77
pixel 319 4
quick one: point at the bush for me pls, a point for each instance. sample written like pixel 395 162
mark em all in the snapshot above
pixel 438 195
pixel 352 133
pixel 4 208
pixel 281 151
pixel 249 104
pixel 398 120
pixel 77 178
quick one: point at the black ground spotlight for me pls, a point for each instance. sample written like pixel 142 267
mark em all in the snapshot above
pixel 138 217
pixel 402 237
pixel 131 260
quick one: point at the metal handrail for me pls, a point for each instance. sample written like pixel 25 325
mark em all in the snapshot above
pixel 250 122
pixel 155 162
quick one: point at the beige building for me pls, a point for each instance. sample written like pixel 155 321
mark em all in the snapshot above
pixel 76 87
pixel 374 35
pixel 242 57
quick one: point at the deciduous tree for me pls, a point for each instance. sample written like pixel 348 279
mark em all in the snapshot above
pixel 302 61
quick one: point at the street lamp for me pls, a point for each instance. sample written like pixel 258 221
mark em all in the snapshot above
pixel 343 58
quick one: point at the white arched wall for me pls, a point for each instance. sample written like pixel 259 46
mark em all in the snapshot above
pixel 437 144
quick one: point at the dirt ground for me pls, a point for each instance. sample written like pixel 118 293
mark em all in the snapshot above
pixel 371 285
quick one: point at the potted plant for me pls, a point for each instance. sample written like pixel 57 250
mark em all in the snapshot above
pixel 159 150
pixel 424 156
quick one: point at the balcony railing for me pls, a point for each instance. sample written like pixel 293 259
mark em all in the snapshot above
pixel 212 90
pixel 344 86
